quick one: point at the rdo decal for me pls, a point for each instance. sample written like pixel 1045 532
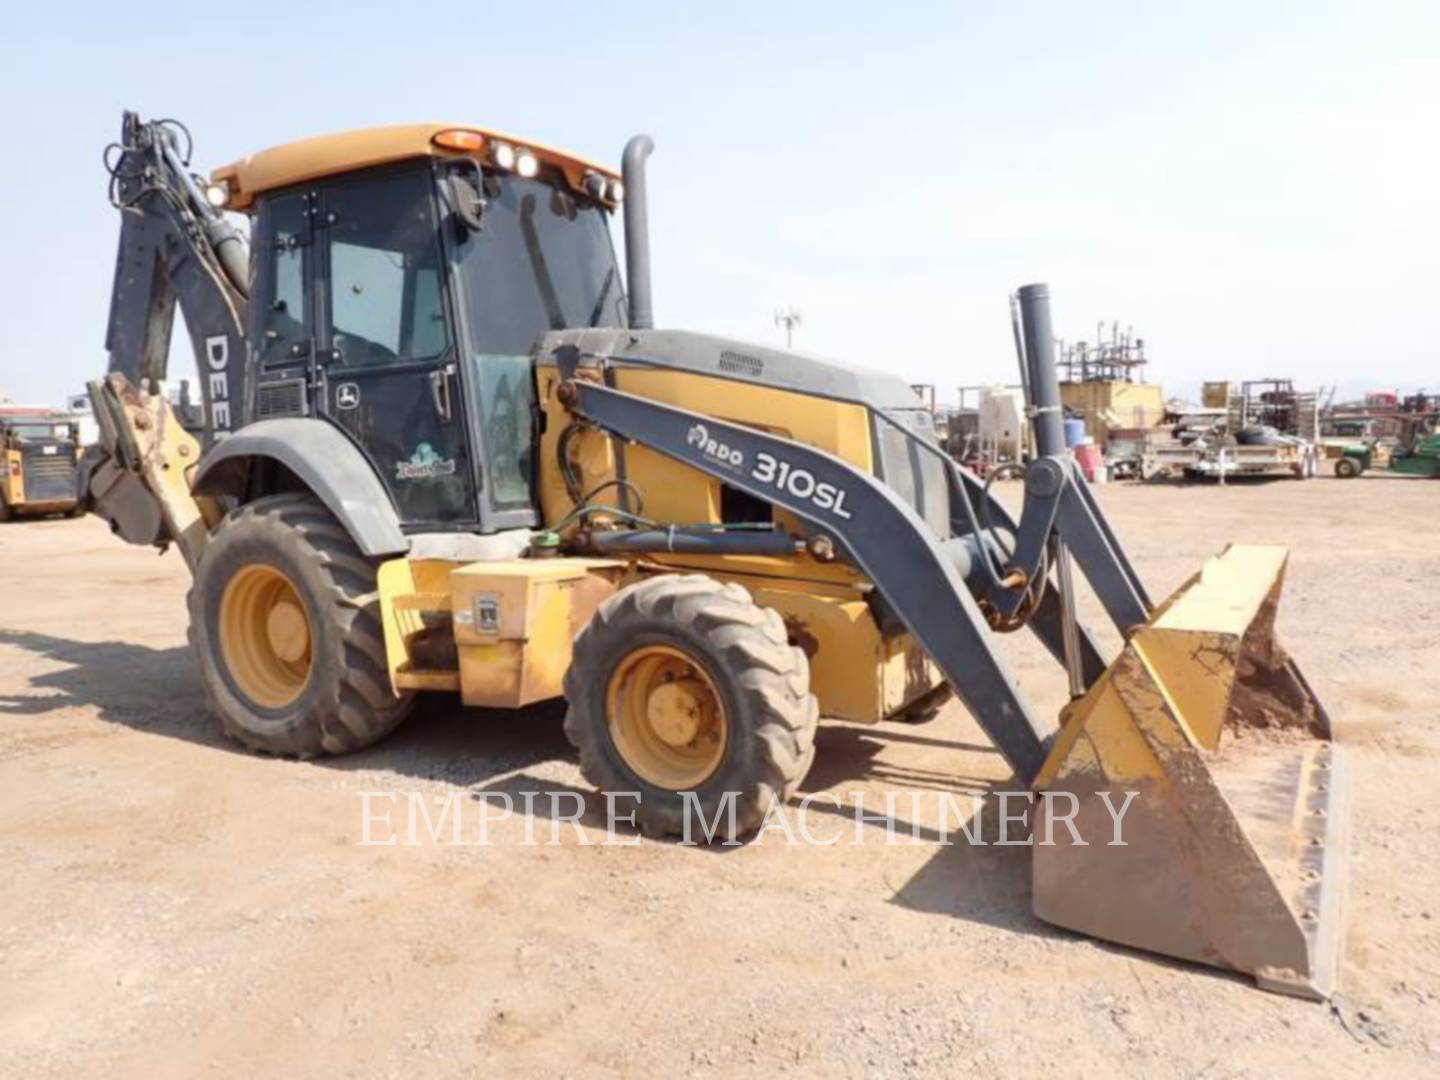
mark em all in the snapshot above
pixel 713 448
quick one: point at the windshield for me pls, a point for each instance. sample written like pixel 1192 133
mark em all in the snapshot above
pixel 28 432
pixel 543 261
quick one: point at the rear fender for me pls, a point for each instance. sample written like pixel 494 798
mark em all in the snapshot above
pixel 325 461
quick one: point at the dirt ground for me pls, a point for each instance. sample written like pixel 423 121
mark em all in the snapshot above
pixel 173 907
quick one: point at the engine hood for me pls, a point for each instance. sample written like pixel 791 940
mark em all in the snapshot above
pixel 726 358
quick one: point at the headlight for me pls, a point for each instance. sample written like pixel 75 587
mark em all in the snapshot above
pixel 217 195
pixel 503 154
pixel 526 164
pixel 617 191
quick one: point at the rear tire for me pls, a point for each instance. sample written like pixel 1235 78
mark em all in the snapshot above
pixel 752 734
pixel 285 623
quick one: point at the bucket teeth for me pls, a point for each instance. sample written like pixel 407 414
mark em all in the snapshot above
pixel 1231 849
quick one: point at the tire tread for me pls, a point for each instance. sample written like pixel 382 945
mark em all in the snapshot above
pixel 356 708
pixel 769 676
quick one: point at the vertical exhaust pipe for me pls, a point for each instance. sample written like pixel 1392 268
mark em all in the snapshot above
pixel 1047 420
pixel 637 232
pixel 1040 376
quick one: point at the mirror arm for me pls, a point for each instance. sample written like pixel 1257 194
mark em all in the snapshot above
pixel 467 199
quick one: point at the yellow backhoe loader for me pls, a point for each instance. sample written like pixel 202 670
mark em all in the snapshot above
pixel 444 450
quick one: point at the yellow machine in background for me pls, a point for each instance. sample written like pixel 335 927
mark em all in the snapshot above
pixel 445 452
pixel 39 452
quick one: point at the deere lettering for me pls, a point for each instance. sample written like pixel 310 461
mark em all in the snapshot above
pixel 217 381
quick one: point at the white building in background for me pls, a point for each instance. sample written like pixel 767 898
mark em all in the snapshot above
pixel 1002 423
pixel 79 406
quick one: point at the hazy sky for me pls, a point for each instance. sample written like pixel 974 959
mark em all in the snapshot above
pixel 1254 186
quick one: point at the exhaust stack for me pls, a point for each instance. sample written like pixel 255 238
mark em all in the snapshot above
pixel 1039 374
pixel 637 232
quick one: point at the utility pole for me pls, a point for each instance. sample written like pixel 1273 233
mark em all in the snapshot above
pixel 789 318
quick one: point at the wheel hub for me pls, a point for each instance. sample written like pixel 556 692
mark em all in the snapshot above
pixel 265 635
pixel 666 717
pixel 287 631
pixel 675 711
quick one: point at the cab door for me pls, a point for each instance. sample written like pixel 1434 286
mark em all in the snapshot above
pixel 386 343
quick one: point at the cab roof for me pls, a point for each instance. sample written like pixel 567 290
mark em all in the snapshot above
pixel 326 155
pixel 23 414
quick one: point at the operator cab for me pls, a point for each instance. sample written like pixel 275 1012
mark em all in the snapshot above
pixel 402 280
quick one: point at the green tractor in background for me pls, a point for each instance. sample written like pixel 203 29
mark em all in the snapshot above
pixel 1418 453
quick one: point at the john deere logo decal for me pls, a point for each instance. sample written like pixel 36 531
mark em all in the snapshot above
pixel 423 464
pixel 347 396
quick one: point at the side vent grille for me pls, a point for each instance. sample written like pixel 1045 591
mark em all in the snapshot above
pixel 285 398
pixel 741 364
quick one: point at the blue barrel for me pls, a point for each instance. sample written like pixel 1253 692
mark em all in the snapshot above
pixel 1074 432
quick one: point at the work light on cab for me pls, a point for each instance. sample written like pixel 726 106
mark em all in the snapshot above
pixel 503 155
pixel 459 139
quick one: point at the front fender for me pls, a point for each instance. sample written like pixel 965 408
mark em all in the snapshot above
pixel 325 461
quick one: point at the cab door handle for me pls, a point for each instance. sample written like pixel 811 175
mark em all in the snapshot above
pixel 440 392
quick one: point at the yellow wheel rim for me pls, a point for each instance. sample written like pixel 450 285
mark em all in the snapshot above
pixel 666 718
pixel 265 636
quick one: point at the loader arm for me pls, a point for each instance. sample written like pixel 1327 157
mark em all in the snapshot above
pixel 874 528
pixel 1059 506
pixel 968 499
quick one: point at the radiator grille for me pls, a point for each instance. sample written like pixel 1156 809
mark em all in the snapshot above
pixel 48 476
pixel 285 398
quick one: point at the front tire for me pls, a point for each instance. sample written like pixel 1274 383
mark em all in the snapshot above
pixel 1347 468
pixel 684 685
pixel 284 620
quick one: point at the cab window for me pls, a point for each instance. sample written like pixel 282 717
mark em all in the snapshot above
pixel 283 323
pixel 385 300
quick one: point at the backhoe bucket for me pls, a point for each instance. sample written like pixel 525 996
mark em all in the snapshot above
pixel 1232 849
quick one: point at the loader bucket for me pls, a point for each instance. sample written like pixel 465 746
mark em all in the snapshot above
pixel 1232 851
